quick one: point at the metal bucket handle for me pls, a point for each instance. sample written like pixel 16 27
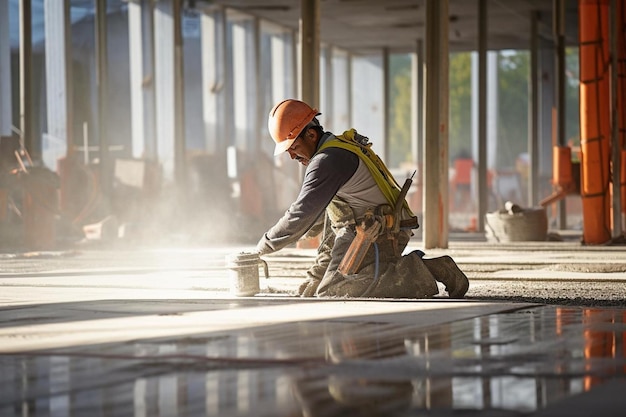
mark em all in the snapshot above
pixel 266 269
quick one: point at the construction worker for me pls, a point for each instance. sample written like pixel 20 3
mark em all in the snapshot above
pixel 340 189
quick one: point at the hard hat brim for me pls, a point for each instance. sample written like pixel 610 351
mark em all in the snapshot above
pixel 283 146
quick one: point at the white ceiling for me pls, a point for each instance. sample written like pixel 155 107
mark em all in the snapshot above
pixel 362 26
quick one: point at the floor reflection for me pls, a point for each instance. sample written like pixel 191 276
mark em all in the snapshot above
pixel 516 362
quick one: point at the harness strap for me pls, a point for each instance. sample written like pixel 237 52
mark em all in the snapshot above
pixel 383 178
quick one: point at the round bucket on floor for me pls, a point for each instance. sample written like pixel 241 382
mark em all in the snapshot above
pixel 530 224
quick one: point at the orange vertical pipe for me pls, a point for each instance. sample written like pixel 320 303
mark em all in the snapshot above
pixel 621 71
pixel 595 123
pixel 621 93
pixel 562 167
pixel 624 342
pixel 623 179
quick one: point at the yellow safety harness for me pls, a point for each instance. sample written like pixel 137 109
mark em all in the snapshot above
pixel 385 181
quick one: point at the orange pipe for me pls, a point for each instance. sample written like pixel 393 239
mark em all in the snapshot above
pixel 623 179
pixel 624 341
pixel 562 167
pixel 621 94
pixel 595 123
pixel 621 71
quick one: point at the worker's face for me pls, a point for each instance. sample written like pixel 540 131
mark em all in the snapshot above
pixel 303 148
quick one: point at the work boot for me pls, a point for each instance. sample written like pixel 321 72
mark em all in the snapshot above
pixel 423 277
pixel 445 270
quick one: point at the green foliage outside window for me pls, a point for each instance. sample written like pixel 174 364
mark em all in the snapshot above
pixel 513 79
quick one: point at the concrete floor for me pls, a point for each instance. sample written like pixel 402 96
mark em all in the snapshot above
pixel 156 332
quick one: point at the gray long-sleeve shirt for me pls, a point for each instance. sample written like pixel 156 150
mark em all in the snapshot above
pixel 333 171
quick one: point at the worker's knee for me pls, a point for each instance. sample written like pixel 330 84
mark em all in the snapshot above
pixel 408 277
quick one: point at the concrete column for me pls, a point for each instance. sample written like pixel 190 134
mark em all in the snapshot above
pixel 546 105
pixel 310 51
pixel 385 105
pixel 435 222
pixel 259 123
pixel 327 81
pixel 213 58
pixel 59 71
pixel 5 71
pixel 493 110
pixel 26 75
pixel 169 90
pixel 296 76
pixel 417 98
pixel 102 64
pixel 141 59
pixel 241 84
pixel 229 84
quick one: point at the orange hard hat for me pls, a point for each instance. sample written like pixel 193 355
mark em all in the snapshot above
pixel 286 121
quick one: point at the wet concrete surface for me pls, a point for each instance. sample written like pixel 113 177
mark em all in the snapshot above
pixel 542 332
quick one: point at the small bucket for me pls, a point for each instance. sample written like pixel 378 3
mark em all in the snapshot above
pixel 244 273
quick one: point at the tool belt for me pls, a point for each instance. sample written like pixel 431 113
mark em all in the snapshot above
pixel 378 226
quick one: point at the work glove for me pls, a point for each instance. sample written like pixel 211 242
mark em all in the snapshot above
pixel 309 287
